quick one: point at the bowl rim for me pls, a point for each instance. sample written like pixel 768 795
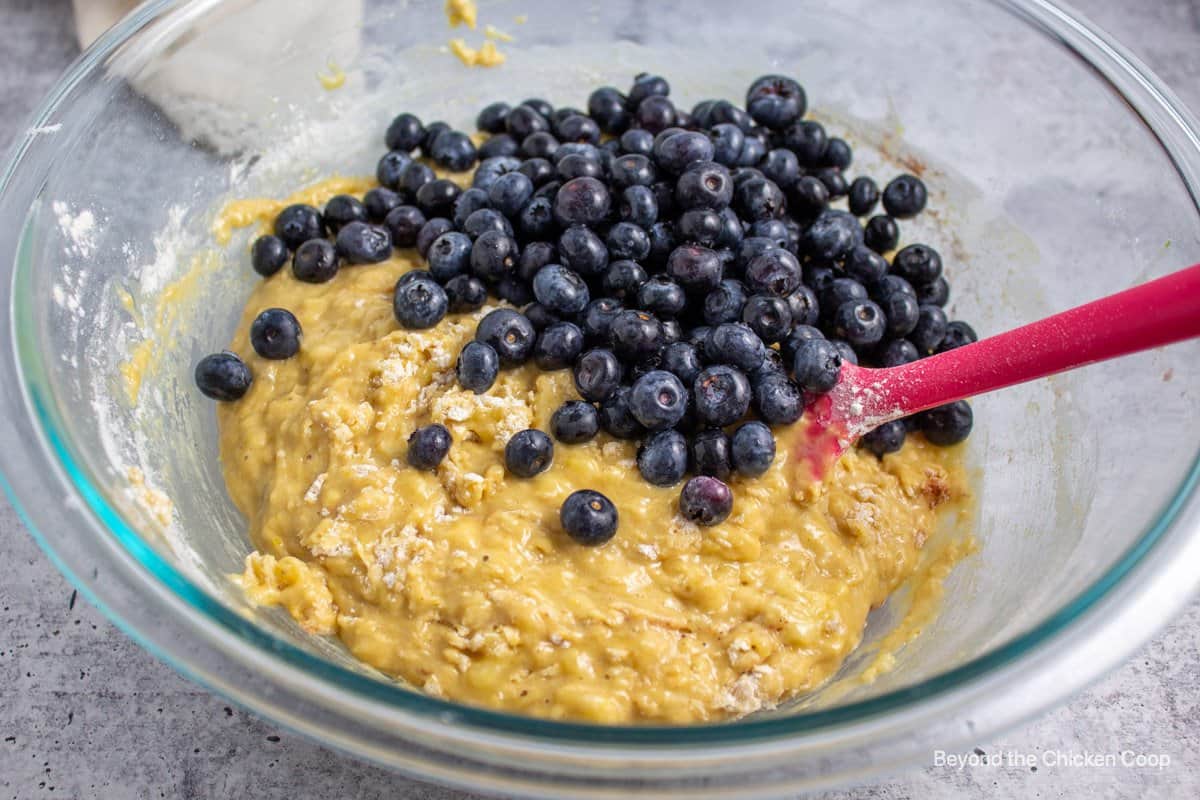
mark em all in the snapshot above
pixel 318 678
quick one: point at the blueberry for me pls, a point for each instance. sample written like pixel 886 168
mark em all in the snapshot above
pixel 483 220
pixel 818 276
pixel 736 344
pixel 781 166
pixel 539 316
pixel 363 243
pixel 681 360
pixel 588 517
pixel 731 235
pixel 268 255
pixel 678 151
pixel 658 400
pixel 778 400
pixel 341 210
pixel 887 438
pixel 833 235
pixel 637 141
pixel 769 317
pixel 298 224
pixel 540 145
pixel 316 261
pixel 428 445
pixel 725 111
pixel 771 366
pixel 704 185
pixel 635 335
pixel 558 346
pixel 661 296
pixel 491 118
pixel 413 177
pixel 500 145
pixel 436 198
pixel 638 206
pixel 429 233
pixel 627 241
pixel 930 328
pixel 900 308
pixel 800 333
pixel 598 318
pixel 897 352
pixel 758 198
pixel 419 303
pixel 845 350
pixel 722 395
pixel 709 453
pixel 514 290
pixel 695 268
pixel 774 230
pixel 662 243
pixel 727 140
pixel 380 201
pixel 700 226
pixel 663 458
pixel 597 374
pixel 837 155
pixel 808 141
pixel 753 149
pixel 538 170
pixel 560 289
pixel 275 334
pixel 578 128
pixel 510 192
pixel 958 334
pixel 509 333
pixel 450 255
pixel 577 165
pixel 404 223
pixel 391 167
pixel 698 336
pixel 432 131
pixel 936 292
pixel 948 424
pixel 904 196
pixel 672 331
pixel 859 322
pixel 705 500
pixel 839 291
pixel 623 278
pixel 582 201
pixel 865 265
pixel 477 367
pixel 491 169
pixel 523 120
pixel 582 250
pixel 412 275
pixel 645 85
pixel 536 219
pixel 776 101
pixel 863 196
pixel 222 376
pixel 539 105
pixel 616 415
pixel 575 422
pixel 816 365
pixel 632 170
pixel 528 453
pixel 918 264
pixel 881 233
pixel 752 449
pixel 588 151
pixel 775 272
pixel 404 133
pixel 493 256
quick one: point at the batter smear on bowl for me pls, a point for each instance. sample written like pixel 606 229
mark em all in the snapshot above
pixel 516 421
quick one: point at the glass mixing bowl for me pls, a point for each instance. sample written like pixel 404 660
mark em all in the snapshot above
pixel 1061 168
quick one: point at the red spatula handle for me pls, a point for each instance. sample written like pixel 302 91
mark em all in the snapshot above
pixel 1157 313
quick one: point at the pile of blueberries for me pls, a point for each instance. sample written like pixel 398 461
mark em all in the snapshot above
pixel 687 266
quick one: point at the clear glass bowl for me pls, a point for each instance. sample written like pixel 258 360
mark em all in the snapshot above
pixel 1062 170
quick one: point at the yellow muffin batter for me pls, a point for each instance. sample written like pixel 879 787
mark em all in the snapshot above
pixel 461 582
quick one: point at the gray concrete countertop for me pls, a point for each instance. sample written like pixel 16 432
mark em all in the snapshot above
pixel 85 713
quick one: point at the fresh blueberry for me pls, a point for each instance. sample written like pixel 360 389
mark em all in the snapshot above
pixel 510 192
pixel 428 445
pixel 491 118
pixel 655 113
pixel 732 234
pixel 432 131
pixel 838 154
pixel 513 290
pixel 645 85
pixel 316 261
pixel 918 264
pixel 859 322
pixel 588 517
pixel 697 269
pixel 818 276
pixel 663 458
pixel 534 256
pixel 582 201
pixel 661 296
pixel 500 145
pixel 598 318
pixel 754 147
pixel 268 255
pixel 404 133
pixel 775 272
pixel 538 170
pixel 781 166
pixel 528 453
pixel 560 289
pixel 662 243
pixel 597 374
pixel 807 139
pixel 391 167
pixel 632 170
pixel 413 177
pixel 881 233
pixel 816 365
pixel 930 329
pixel 429 233
pixel 709 453
pixel 803 306
pixel 863 196
pixel 493 256
pixel 904 196
pixel 774 230
pixel 865 265
pixel 622 279
pixel 736 344
pixel 477 367
pixel 523 120
pixel 436 198
pixel 839 291
pixel 578 128
pixel 700 226
pixel 616 415
pixel 682 361
pixel 776 101
pixel 627 241
pixel 539 105
pixel 583 251
pixel 341 210
pixel 419 303
pixel 800 333
pixel 540 144
pixel 769 317
pixel 509 333
pixel 678 151
pixel 698 336
pixel 758 198
pixel 658 400
pixel 275 334
pixel 637 141
pixel 536 219
pixel 705 500
pixel 223 376
pixel 778 400
pixel 845 350
pixel 491 169
pixel 727 141
pixel 897 352
pixel 832 235
pixel 725 111
pixel 936 292
pixel 704 185
pixel 363 243
pixel 887 438
pixel 450 255
pixel 404 223
pixel 380 201
pixel 539 316
pixel 958 334
pixel 298 224
pixel 948 424
pixel 635 335
pixel 577 165
pixel 752 449
pixel 558 346
pixel 721 394
pixel 486 219
pixel 575 422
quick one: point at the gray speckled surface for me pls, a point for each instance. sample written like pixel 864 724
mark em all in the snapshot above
pixel 85 713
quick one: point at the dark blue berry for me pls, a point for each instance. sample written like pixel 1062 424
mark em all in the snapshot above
pixel 705 500
pixel 491 118
pixel 577 165
pixel 776 101
pixel 528 453
pixel 491 169
pixel 725 111
pixel 391 167
pixel 298 224
pixel 597 374
pixel 486 219
pixel 817 365
pixel 701 226
pixel 697 269
pixel 918 264
pixel 578 128
pixel 778 400
pixel 662 297
pixel 838 154
pixel 419 303
pixel 436 198
pixel 758 198
pixel 538 170
pixel 404 223
pixel 477 367
pixel 316 261
pixel 936 292
pixel 799 333
pixel 808 198
pixel 539 316
pixel 727 141
pixel 638 206
pixel 818 277
pixel 514 290
pixel 697 337
pixel 500 145
pixel 897 352
pixel 623 278
pixel 627 241
pixel 663 458
pixel 731 235
pixel 781 166
pixel 523 120
pixel 900 307
pixel 380 201
pixel 558 346
pixel 865 265
pixel 429 233
pixel 803 306
pixel 510 192
pixel 449 256
pixel 607 106
pixel 598 318
pixel 832 235
pixel 223 376
pixel 493 256
pixel 658 400
pixel 709 453
pixel 645 85
pixel 681 360
pixel 635 335
pixel 588 517
pixel 678 151
pixel 775 272
pixel 703 185
pixel 930 329
pixel 632 170
pixel 341 210
pixel 539 105
pixel 662 243
pixel 275 334
pixel 404 133
pixel 736 344
pixel 862 196
pixel 428 445
pixel 582 201
pixel 363 243
pixel 769 317
pixel 575 422
pixel 509 333
pixel 774 230
pixel 413 177
pixel 881 233
pixel 616 415
pixel 534 256
pixel 948 424
pixel 721 394
pixel 904 197
pixel 268 255
pixel 752 449
pixel 432 131
pixel 561 290
pixel 846 351
pixel 536 219
pixel 859 322
pixel 887 438
pixel 582 250
pixel 839 291
pixel 754 147
pixel 808 141
pixel 958 334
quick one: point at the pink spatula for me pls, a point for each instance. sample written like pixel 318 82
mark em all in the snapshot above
pixel 1157 313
